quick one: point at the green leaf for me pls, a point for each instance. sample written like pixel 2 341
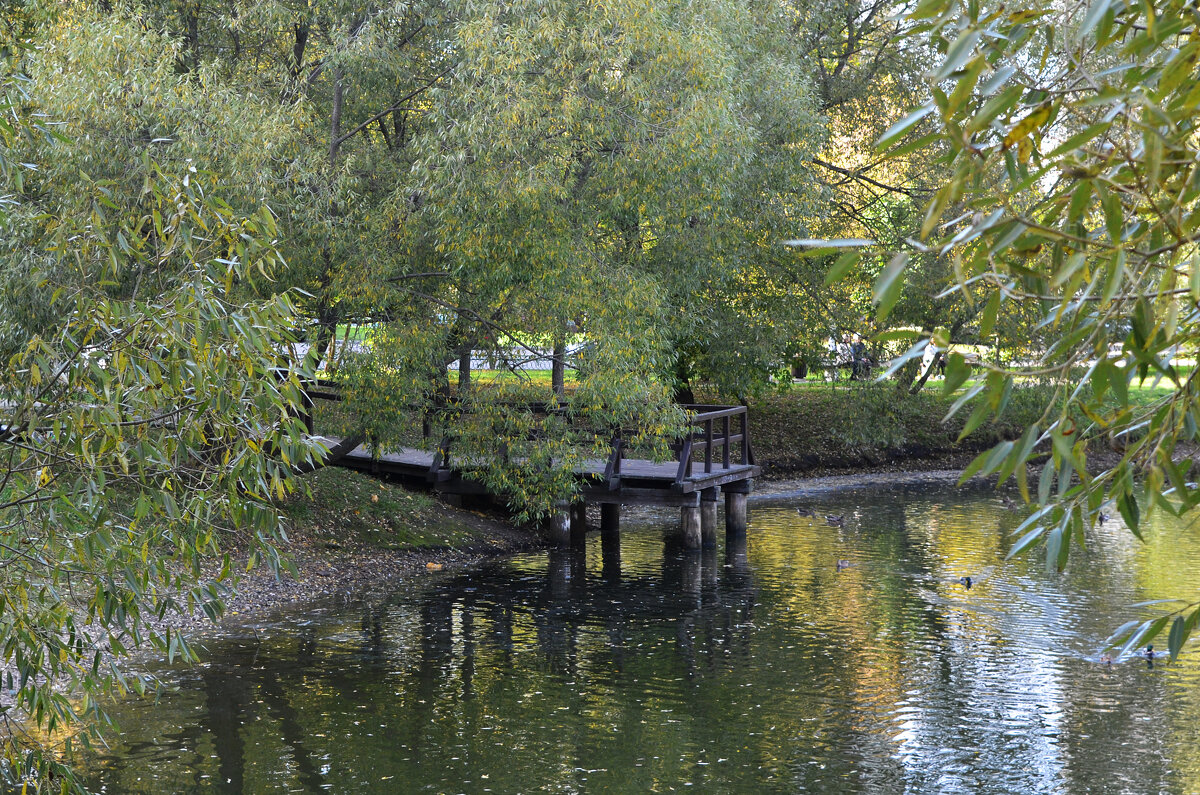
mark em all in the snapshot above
pixel 1114 217
pixel 1178 69
pixel 1080 198
pixel 1054 548
pixel 1046 482
pixel 1095 13
pixel 1078 139
pixel 1020 453
pixel 957 373
pixel 914 145
pixel 977 418
pixel 997 79
pixel 889 285
pixel 990 311
pixel 842 266
pixel 1177 636
pixel 1121 632
pixel 1026 541
pixel 958 54
pixel 1147 632
pixel 994 107
pixel 974 467
pixel 1130 512
pixel 901 127
pixel 896 335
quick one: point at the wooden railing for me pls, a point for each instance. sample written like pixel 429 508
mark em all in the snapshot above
pixel 714 431
pixel 710 436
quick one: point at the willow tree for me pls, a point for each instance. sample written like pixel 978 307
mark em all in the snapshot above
pixel 331 97
pixel 610 170
pixel 147 414
pixel 1070 134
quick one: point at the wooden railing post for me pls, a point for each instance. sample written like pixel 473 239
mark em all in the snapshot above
pixel 747 450
pixel 685 459
pixel 725 446
pixel 708 442
pixel 612 471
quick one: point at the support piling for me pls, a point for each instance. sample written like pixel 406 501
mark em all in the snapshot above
pixel 708 517
pixel 689 525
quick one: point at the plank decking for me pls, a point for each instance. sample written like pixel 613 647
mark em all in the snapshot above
pixel 637 476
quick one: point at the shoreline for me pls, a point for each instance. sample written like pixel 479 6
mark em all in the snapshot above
pixel 325 570
pixel 355 570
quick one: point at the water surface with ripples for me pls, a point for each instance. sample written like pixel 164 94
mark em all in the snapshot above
pixel 758 667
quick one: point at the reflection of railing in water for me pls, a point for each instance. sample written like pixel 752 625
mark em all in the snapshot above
pixel 565 618
pixel 710 598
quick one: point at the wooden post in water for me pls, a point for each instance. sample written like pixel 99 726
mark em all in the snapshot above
pixel 578 524
pixel 709 569
pixel 610 540
pixel 689 526
pixel 558 571
pixel 736 558
pixel 558 526
pixel 690 577
pixel 610 519
pixel 708 517
pixel 610 555
pixel 735 507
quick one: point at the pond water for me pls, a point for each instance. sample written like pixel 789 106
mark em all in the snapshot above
pixel 758 667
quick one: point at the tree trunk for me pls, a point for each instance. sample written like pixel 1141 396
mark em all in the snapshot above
pixel 193 38
pixel 300 31
pixel 464 370
pixel 335 454
pixel 920 383
pixel 906 375
pixel 325 337
pixel 559 366
pixel 683 385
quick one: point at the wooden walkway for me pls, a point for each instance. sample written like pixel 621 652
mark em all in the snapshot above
pixel 714 458
pixel 640 481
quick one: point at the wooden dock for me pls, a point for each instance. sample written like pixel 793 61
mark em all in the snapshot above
pixel 714 459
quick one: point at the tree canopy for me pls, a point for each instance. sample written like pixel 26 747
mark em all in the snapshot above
pixel 149 412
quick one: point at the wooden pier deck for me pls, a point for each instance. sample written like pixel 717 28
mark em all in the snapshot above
pixel 640 481
pixel 713 459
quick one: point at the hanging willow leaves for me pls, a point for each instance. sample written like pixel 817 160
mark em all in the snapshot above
pixel 1076 177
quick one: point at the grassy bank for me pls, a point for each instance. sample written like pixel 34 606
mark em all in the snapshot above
pixel 852 425
pixel 344 507
pixel 350 534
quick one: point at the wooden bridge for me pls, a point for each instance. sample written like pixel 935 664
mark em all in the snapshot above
pixel 714 458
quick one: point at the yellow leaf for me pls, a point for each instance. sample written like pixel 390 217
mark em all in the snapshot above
pixel 1022 129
